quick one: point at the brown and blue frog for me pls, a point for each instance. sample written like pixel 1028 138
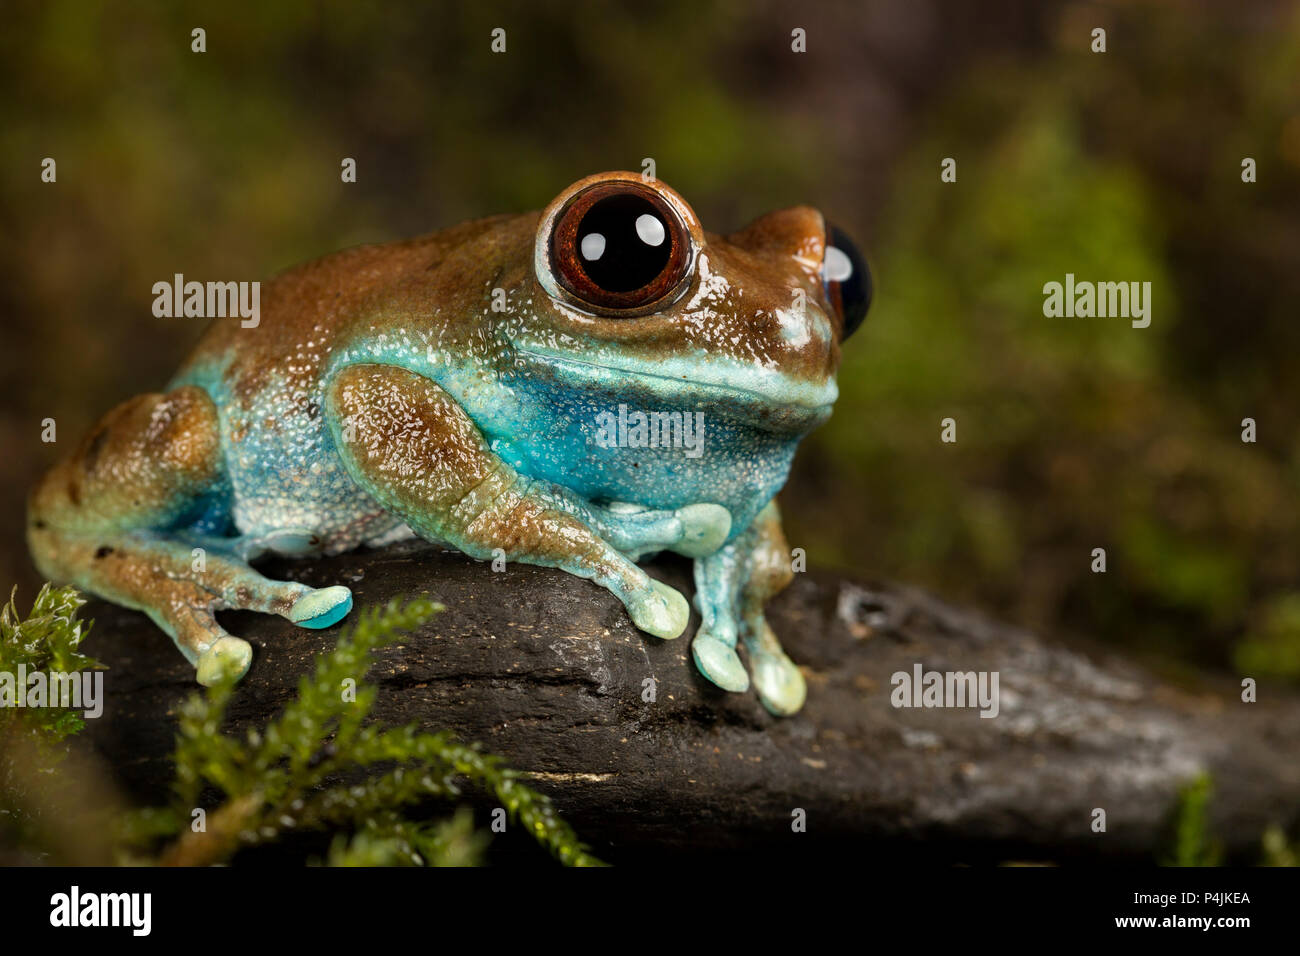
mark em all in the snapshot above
pixel 450 387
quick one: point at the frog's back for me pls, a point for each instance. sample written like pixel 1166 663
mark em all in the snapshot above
pixel 307 310
pixel 267 384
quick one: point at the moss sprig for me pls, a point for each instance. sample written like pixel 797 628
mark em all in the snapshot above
pixel 321 766
pixel 1193 843
pixel 47 639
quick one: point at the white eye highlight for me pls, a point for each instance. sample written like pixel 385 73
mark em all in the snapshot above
pixel 836 266
pixel 593 246
pixel 650 229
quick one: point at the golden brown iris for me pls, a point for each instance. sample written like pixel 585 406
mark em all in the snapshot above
pixel 620 249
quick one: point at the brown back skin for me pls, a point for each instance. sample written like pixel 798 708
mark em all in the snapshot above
pixel 441 284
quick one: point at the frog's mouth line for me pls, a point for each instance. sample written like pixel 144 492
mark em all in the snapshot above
pixel 815 403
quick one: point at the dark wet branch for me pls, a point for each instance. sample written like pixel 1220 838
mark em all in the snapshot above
pixel 546 670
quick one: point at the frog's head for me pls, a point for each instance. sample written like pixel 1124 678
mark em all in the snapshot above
pixel 631 292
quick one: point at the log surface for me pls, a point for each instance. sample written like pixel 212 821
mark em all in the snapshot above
pixel 547 671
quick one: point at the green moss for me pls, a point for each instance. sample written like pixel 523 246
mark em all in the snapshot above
pixel 1277 851
pixel 1272 649
pixel 34 741
pixel 320 766
pixel 1193 844
pixel 47 639
pixel 393 842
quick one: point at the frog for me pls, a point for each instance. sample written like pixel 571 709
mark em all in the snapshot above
pixel 493 388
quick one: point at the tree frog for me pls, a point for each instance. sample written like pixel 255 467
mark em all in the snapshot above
pixel 575 388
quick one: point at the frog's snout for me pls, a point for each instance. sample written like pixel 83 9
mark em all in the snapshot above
pixel 847 280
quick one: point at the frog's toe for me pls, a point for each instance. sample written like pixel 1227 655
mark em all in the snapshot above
pixel 292 542
pixel 225 660
pixel 779 683
pixel 704 528
pixel 321 607
pixel 289 542
pixel 660 611
pixel 719 662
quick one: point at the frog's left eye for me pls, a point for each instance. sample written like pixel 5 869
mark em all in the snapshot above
pixel 620 249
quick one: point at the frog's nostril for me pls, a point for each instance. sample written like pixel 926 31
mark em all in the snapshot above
pixel 847 278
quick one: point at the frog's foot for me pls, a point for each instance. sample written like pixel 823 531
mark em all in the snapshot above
pixel 779 683
pixel 693 530
pixel 659 610
pixel 222 657
pixel 318 609
pixel 704 528
pixel 218 656
pixel 717 660
pixel 243 588
pixel 226 659
pixel 182 587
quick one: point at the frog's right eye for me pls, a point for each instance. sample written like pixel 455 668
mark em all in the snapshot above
pixel 847 280
pixel 620 249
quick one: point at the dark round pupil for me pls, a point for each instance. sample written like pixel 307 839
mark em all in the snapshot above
pixel 623 243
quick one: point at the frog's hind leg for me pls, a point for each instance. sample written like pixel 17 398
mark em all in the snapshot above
pixel 95 521
pixel 731 588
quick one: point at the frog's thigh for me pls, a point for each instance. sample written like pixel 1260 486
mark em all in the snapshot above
pixel 94 520
pixel 415 451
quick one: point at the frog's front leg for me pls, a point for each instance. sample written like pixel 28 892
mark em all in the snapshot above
pixel 731 588
pixel 410 446
pixel 693 531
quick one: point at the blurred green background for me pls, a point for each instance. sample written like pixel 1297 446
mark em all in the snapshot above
pixel 1072 433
